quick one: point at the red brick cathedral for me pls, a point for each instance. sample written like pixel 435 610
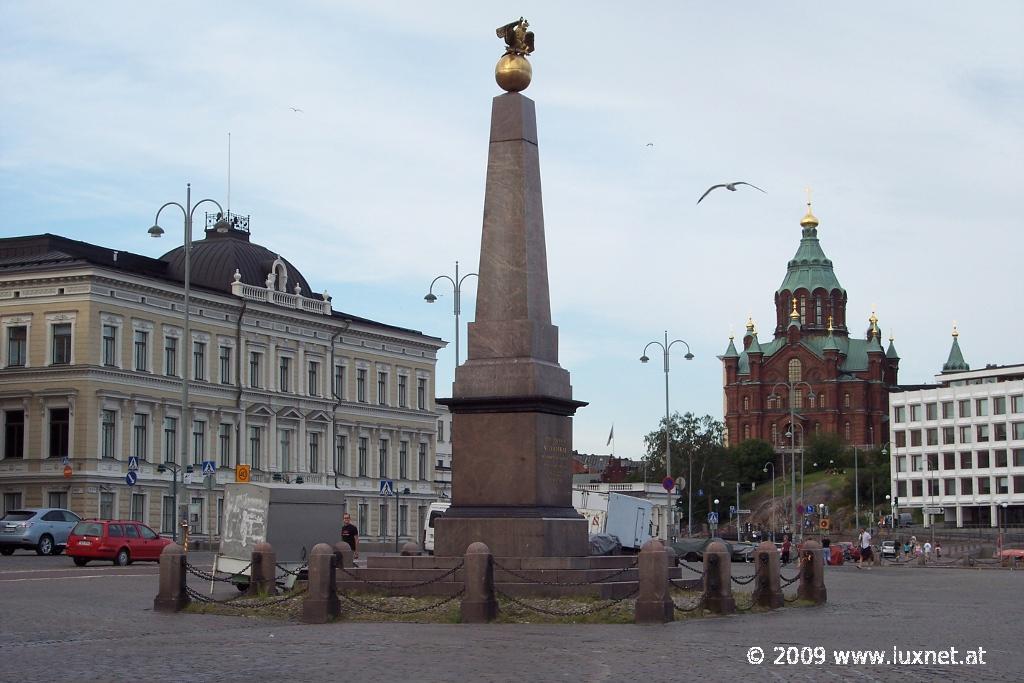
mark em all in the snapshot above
pixel 836 383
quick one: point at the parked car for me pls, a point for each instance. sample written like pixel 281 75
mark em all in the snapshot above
pixel 44 530
pixel 889 549
pixel 121 541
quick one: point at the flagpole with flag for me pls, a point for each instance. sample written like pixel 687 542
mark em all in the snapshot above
pixel 611 439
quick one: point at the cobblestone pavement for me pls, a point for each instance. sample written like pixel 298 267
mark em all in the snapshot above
pixel 59 622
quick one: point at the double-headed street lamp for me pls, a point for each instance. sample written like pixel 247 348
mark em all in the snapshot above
pixel 174 468
pixel 666 346
pixel 457 284
pixel 222 225
pixel 791 434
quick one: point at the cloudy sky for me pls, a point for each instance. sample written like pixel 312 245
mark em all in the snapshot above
pixel 905 119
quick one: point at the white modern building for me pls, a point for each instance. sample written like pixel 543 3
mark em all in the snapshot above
pixel 957 446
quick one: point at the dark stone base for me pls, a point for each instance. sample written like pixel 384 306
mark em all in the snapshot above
pixel 654 612
pixel 320 611
pixel 816 594
pixel 769 599
pixel 513 537
pixel 173 604
pixel 720 604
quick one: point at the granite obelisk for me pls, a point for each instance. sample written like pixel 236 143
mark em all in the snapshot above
pixel 511 402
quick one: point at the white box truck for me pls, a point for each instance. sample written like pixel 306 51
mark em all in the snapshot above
pixel 626 517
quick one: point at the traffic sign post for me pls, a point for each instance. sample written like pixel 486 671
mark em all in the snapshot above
pixel 209 467
pixel 242 474
pixel 713 522
pixel 668 483
pixel 133 463
pixel 387 487
pixel 131 478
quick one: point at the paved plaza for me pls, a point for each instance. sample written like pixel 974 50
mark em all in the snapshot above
pixel 59 622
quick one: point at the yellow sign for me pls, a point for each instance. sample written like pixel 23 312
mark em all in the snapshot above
pixel 242 474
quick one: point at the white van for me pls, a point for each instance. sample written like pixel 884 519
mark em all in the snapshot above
pixel 435 510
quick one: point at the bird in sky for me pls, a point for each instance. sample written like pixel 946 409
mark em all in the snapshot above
pixel 297 111
pixel 649 144
pixel 729 186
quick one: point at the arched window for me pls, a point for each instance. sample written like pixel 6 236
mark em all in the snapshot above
pixel 795 370
pixel 846 431
pixel 846 399
pixel 775 434
pixel 817 309
pixel 746 403
pixel 821 400
pixel 803 309
pixel 746 431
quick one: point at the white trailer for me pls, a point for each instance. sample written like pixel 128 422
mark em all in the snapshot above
pixel 626 517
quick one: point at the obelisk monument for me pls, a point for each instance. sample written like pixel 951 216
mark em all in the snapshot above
pixel 511 402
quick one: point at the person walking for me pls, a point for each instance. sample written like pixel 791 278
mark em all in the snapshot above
pixel 864 541
pixel 786 546
pixel 927 551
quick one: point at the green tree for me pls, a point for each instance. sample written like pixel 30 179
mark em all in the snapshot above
pixel 872 476
pixel 824 449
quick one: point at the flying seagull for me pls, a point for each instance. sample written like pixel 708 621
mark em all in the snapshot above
pixel 729 186
pixel 297 111
pixel 649 144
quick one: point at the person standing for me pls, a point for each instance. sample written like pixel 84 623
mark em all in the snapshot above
pixel 865 547
pixel 350 534
pixel 785 549
pixel 927 551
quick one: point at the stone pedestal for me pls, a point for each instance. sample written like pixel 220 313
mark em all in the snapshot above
pixel 511 402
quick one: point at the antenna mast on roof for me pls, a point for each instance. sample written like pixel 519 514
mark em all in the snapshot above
pixel 229 173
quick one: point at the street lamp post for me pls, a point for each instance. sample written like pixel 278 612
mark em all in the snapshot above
pixel 791 386
pixel 765 470
pixel 222 225
pixel 665 348
pixel 457 307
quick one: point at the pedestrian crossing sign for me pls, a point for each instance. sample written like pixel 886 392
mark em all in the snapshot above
pixel 387 487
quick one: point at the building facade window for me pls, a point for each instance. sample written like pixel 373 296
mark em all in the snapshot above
pixel 171 356
pixel 440 431
pixel 109 345
pixel 421 464
pixel 403 520
pixel 108 428
pixel 382 388
pixel 256 447
pixel 339 382
pixel 403 459
pixel 57 499
pixel 363 510
pixel 361 385
pixel 999 405
pixel 14 434
pixel 167 522
pixel 965 407
pixel 141 351
pixel 140 436
pixel 421 393
pixel 284 374
pixel 224 358
pixel 340 453
pixel 382 520
pixel 224 444
pixel 314 452
pixel 285 445
pixel 847 432
pixel 107 505
pixel 313 378
pixel 947 410
pixel 17 346
pixel 170 439
pixel 138 511
pixel 981 407
pixel 915 413
pixel 403 391
pixel 361 456
pixel 382 458
pixel 255 359
pixel 899 414
pixel 61 350
pixel 199 361
pixel 931 411
pixel 795 370
pixel 198 441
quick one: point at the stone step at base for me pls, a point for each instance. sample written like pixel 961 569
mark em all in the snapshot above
pixel 517 563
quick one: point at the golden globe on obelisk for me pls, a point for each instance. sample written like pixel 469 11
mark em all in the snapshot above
pixel 512 403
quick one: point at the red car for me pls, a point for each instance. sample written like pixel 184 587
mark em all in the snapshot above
pixel 122 541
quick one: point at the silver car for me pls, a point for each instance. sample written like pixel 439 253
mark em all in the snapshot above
pixel 44 530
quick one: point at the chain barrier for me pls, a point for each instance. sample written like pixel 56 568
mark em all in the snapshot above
pixel 696 605
pixel 387 586
pixel 789 582
pixel 745 608
pixel 238 601
pixel 527 579
pixel 295 573
pixel 371 608
pixel 743 582
pixel 791 600
pixel 212 576
pixel 673 583
pixel 564 613
pixel 695 571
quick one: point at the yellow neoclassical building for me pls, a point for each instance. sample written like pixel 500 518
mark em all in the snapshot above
pixel 92 361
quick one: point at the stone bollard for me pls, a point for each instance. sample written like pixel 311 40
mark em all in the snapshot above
pixel 343 554
pixel 172 596
pixel 479 605
pixel 812 574
pixel 767 581
pixel 410 548
pixel 718 579
pixel 321 603
pixel 653 603
pixel 263 572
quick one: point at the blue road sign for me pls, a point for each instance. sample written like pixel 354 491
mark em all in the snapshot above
pixel 133 462
pixel 809 510
pixel 700 492
pixel 209 467
pixel 131 478
pixel 387 487
pixel 712 518
pixel 732 509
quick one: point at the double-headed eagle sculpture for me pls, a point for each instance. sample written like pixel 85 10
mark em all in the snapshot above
pixel 518 40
